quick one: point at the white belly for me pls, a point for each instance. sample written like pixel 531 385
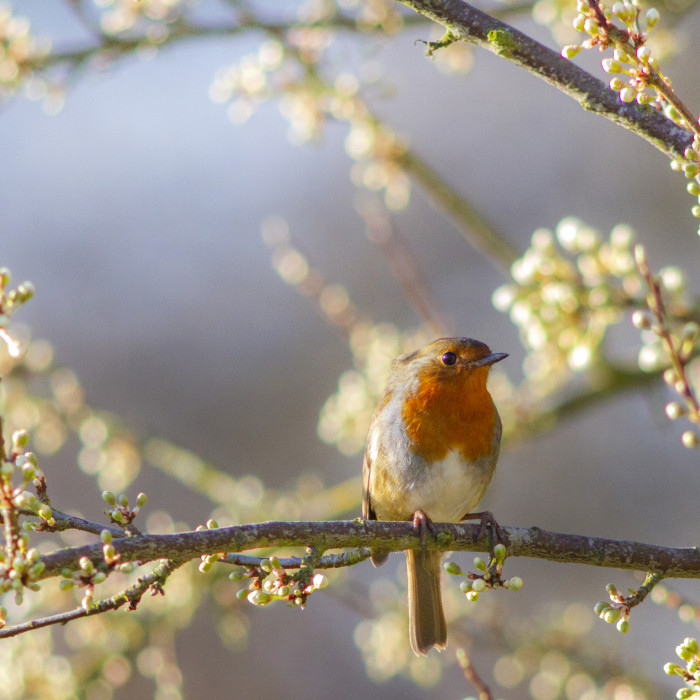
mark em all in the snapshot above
pixel 447 490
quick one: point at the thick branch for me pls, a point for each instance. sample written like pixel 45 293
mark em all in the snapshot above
pixel 477 27
pixel 671 562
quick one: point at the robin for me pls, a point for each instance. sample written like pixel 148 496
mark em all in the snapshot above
pixel 431 450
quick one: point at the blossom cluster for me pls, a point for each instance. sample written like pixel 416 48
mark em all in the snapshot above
pixel 567 290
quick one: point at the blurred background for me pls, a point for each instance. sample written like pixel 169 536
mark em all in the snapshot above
pixel 136 209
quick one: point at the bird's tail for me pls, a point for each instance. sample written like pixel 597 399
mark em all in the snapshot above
pixel 426 619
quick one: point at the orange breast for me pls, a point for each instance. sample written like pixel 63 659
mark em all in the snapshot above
pixel 455 414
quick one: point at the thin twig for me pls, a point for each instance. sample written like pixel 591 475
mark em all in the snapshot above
pixel 638 596
pixel 132 595
pixel 383 233
pixel 64 521
pixel 483 692
pixel 328 561
pixel 679 363
pixel 624 40
pixel 480 233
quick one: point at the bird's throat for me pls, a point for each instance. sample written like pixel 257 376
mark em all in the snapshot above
pixel 457 415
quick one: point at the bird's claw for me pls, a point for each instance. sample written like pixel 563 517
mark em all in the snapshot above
pixel 487 521
pixel 422 524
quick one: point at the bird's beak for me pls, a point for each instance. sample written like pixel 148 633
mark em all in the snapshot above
pixel 490 359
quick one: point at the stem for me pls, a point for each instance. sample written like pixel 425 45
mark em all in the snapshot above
pixel 480 234
pixel 470 673
pixel 402 262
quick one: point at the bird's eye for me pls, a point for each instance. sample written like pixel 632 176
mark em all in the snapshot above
pixel 449 358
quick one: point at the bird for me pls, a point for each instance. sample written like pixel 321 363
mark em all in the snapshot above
pixel 431 450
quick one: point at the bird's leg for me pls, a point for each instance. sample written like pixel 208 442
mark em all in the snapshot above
pixel 422 524
pixel 487 521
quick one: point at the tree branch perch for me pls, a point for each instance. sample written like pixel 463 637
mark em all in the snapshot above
pixel 670 562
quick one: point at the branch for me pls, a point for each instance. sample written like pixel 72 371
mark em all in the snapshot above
pixel 387 536
pixel 64 521
pixel 131 595
pixel 479 233
pixel 476 27
pixel 329 561
pixel 470 673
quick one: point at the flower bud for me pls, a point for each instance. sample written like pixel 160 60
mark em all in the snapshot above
pixel 108 498
pixel 611 615
pixel 452 567
pixel 683 652
pixel 320 581
pixel 590 26
pixel 515 583
pixel 640 320
pixel 25 291
pixel 570 51
pixel 108 553
pixel 640 255
pixel 258 597
pixel 44 512
pixel 675 410
pixel 610 65
pixel 499 552
pixel 652 16
pixel 601 608
pixel 670 376
pixel 690 439
pixel 19 439
pixel 37 569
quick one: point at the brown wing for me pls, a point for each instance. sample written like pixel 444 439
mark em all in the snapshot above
pixel 367 511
